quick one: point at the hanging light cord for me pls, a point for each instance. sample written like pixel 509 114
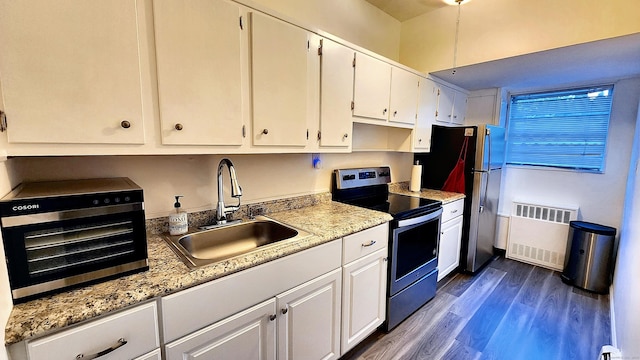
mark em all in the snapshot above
pixel 455 44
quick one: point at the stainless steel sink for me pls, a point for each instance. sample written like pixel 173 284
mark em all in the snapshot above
pixel 209 246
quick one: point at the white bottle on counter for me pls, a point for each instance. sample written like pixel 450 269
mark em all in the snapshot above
pixel 179 221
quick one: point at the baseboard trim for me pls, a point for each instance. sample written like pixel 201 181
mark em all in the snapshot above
pixel 612 320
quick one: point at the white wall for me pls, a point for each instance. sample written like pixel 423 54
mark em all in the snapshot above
pixel 356 21
pixel 599 196
pixel 497 29
pixel 262 177
pixel 626 293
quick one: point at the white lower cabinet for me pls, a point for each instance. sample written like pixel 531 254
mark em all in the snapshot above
pixel 249 334
pixel 125 335
pixel 154 355
pixel 364 281
pixel 306 320
pixel 309 319
pixel 450 238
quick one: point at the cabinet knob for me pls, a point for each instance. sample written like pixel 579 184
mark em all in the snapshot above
pixel 345 136
pixel 179 126
pixel 265 131
pixel 284 310
pixel 419 140
pixel 395 113
pixel 272 317
pixel 384 111
pixel 125 124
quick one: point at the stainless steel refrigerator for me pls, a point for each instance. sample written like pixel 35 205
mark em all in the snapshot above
pixel 483 171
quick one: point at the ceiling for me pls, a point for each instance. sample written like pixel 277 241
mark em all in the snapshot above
pixel 406 9
pixel 604 60
pixel 597 61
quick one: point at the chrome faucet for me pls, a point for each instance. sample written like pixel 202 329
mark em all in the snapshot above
pixel 236 192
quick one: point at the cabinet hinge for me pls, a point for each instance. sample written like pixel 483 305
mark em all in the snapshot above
pixel 353 105
pixel 354 60
pixel 3 121
pixel 241 25
pixel 244 131
pixel 319 135
pixel 320 48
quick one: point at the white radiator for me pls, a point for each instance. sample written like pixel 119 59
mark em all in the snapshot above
pixel 538 234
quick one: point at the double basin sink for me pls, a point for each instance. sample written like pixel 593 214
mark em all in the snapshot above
pixel 224 242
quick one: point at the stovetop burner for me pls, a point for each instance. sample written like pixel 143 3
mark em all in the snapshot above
pixel 368 188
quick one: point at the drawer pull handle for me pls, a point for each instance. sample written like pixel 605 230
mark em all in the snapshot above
pixel 121 342
pixel 454 211
pixel 369 244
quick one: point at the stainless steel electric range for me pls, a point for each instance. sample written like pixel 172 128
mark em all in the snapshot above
pixel 414 234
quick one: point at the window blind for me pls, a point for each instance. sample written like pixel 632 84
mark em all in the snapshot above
pixel 565 129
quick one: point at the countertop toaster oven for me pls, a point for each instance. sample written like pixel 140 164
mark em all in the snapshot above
pixel 59 234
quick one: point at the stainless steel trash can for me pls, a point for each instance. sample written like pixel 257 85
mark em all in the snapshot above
pixel 589 256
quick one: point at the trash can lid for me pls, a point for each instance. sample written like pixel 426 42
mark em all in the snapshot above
pixel 594 228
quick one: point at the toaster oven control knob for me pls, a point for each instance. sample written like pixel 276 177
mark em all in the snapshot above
pixel 107 200
pixel 96 202
pixel 125 124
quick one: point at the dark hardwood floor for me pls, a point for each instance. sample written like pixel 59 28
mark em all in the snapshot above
pixel 510 310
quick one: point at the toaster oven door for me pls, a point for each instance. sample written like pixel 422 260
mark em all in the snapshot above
pixel 73 249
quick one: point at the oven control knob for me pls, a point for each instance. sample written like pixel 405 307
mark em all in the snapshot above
pixel 107 200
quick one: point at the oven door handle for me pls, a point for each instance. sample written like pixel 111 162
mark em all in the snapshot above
pixel 420 219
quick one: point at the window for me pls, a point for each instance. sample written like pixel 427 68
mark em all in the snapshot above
pixel 564 129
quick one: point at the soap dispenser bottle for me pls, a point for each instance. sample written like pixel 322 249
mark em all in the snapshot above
pixel 178 221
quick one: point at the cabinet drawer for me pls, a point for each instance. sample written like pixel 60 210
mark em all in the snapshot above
pixel 452 209
pixel 364 242
pixel 137 326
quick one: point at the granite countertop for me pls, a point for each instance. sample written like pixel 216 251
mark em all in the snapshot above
pixel 167 274
pixel 444 196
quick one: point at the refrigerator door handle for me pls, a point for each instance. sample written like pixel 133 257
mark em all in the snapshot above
pixel 483 198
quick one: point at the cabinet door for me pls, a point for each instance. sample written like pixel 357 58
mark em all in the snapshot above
pixel 154 355
pixel 459 108
pixel 279 57
pixel 449 247
pixel 198 51
pixel 336 93
pixel 445 104
pixel 404 96
pixel 427 104
pixel 372 87
pixel 363 297
pixel 71 71
pixel 249 334
pixel 309 319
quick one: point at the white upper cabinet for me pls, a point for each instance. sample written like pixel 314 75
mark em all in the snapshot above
pixel 372 88
pixel 427 103
pixel 279 82
pixel 71 71
pixel 452 106
pixel 404 96
pixel 384 92
pixel 199 51
pixel 336 93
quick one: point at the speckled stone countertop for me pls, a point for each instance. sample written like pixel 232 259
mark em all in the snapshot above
pixel 167 274
pixel 444 196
